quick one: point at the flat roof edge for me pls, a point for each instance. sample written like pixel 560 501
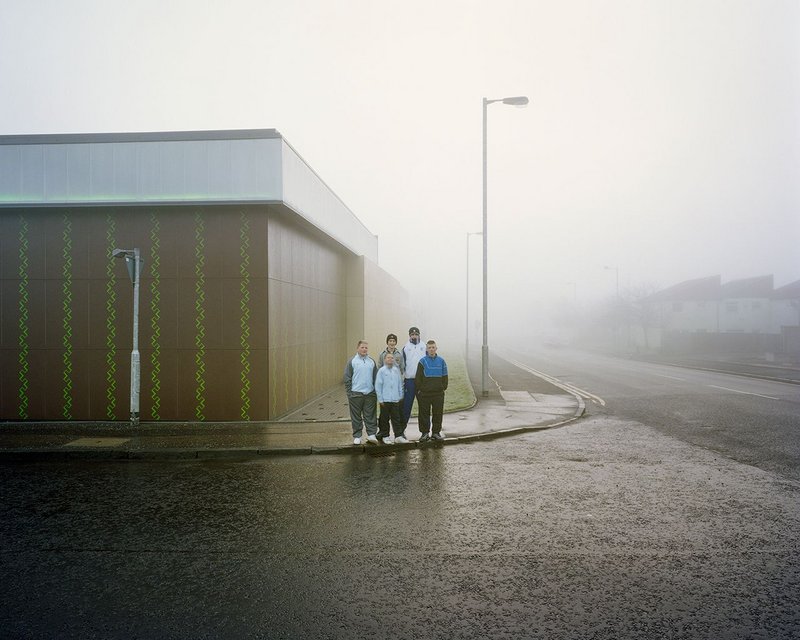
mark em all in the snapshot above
pixel 176 202
pixel 143 136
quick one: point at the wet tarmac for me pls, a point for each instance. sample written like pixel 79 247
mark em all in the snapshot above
pixel 600 529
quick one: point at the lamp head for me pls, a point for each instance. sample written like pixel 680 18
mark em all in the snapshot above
pixel 517 101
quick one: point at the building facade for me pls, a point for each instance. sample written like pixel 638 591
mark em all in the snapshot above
pixel 255 279
pixel 706 315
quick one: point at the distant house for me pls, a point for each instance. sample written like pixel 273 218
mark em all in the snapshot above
pixel 690 306
pixel 786 307
pixel 786 317
pixel 745 305
pixel 704 315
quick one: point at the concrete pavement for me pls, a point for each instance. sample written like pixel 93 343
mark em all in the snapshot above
pixel 519 401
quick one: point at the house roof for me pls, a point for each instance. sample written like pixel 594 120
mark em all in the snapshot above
pixel 788 291
pixel 758 287
pixel 698 289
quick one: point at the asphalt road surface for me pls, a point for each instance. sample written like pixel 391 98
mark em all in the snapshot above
pixel 606 528
pixel 751 420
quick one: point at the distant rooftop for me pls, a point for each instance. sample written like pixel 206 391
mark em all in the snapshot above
pixel 698 289
pixel 789 291
pixel 711 288
pixel 758 287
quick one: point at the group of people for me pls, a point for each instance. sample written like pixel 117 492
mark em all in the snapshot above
pixel 401 375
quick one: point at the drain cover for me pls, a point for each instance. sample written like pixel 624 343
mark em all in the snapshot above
pixel 97 442
pixel 381 454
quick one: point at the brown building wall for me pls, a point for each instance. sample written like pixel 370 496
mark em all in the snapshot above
pixel 377 305
pixel 387 308
pixel 228 295
pixel 308 317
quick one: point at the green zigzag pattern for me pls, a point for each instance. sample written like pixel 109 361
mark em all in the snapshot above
pixel 24 293
pixel 67 321
pixel 199 323
pixel 155 317
pixel 244 288
pixel 111 321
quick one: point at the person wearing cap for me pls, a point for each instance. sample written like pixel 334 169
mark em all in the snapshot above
pixel 359 382
pixel 413 352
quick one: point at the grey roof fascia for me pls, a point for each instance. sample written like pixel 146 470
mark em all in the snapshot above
pixel 145 136
pixel 119 204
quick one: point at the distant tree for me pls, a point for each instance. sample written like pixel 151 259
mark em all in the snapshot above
pixel 639 310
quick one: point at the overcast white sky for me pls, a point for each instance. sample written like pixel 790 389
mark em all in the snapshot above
pixel 662 138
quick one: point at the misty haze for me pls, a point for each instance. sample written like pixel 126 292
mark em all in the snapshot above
pixel 575 227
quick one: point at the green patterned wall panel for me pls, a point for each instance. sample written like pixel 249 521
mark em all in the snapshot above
pixel 111 319
pixel 244 322
pixel 155 317
pixel 200 317
pixel 24 329
pixel 67 317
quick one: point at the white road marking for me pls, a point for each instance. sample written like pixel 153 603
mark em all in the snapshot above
pixel 661 375
pixel 563 385
pixel 747 393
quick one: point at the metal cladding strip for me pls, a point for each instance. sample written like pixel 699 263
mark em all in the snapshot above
pixel 111 321
pixel 24 366
pixel 199 323
pixel 67 319
pixel 286 317
pixel 272 370
pixel 155 317
pixel 244 288
pixel 273 378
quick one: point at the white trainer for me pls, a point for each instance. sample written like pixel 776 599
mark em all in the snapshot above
pixel 372 439
pixel 388 440
pixel 401 440
pixel 356 440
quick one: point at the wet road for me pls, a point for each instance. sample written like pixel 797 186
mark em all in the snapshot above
pixel 751 420
pixel 602 529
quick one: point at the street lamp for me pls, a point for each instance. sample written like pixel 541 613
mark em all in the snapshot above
pixel 517 101
pixel 133 261
pixel 617 270
pixel 574 291
pixel 466 314
pixel 617 308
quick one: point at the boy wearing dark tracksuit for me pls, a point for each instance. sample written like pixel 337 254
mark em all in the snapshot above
pixel 430 383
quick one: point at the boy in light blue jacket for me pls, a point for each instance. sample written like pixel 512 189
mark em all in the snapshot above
pixel 389 388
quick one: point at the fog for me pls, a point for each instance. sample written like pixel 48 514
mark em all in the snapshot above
pixel 661 142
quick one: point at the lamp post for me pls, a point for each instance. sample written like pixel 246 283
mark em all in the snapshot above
pixel 466 311
pixel 133 261
pixel 517 101
pixel 617 270
pixel 574 292
pixel 616 309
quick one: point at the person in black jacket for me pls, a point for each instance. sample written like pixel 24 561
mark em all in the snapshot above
pixel 430 383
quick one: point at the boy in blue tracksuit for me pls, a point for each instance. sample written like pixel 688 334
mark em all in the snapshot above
pixel 431 383
pixel 389 388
